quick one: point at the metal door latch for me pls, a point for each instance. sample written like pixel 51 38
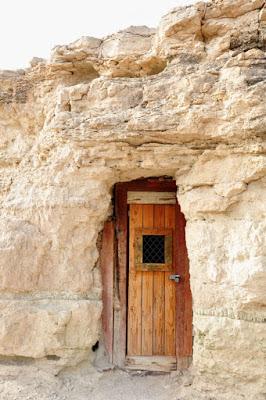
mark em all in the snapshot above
pixel 175 278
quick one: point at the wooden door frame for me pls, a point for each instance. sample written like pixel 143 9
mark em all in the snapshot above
pixel 116 322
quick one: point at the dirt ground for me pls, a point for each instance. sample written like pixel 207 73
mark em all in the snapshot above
pixel 29 383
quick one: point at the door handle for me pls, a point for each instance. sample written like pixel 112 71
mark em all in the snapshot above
pixel 175 278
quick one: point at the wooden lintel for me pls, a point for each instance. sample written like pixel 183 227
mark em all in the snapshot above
pixel 135 197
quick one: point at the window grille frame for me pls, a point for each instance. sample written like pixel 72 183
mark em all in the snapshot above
pixel 138 249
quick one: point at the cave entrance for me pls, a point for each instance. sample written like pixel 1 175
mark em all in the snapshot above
pixel 147 306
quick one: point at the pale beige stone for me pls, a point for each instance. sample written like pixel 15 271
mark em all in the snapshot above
pixel 78 50
pixel 231 9
pixel 42 328
pixel 180 33
pixel 185 100
pixel 134 41
pixel 230 342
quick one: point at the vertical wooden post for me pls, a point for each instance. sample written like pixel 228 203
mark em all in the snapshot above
pixel 107 271
pixel 120 306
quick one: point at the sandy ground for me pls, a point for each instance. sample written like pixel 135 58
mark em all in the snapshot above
pixel 32 384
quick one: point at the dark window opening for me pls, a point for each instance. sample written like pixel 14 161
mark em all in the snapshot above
pixel 153 249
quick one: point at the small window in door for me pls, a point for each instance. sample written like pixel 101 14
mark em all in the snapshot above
pixel 153 249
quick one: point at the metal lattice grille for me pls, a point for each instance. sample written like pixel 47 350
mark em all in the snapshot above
pixel 153 249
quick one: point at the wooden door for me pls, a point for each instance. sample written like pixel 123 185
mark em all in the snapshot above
pixel 151 318
pixel 147 318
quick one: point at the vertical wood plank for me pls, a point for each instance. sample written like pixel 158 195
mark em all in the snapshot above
pixel 135 287
pixel 147 291
pixel 120 283
pixel 107 272
pixel 180 303
pixel 158 293
pixel 170 288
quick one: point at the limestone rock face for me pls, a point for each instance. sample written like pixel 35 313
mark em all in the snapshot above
pixel 63 330
pixel 186 100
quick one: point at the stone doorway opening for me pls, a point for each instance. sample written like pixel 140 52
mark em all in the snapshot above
pixel 147 305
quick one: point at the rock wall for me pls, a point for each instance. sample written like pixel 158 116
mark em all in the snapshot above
pixel 185 100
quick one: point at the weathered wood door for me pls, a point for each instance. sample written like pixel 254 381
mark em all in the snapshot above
pixel 151 319
pixel 147 317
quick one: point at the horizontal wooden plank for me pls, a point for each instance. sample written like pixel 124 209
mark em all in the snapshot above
pixel 151 197
pixel 151 185
pixel 153 231
pixel 154 267
pixel 152 363
pixel 184 363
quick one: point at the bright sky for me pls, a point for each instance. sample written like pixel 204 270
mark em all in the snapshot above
pixel 30 28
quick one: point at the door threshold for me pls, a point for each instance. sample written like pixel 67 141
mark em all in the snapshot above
pixel 151 363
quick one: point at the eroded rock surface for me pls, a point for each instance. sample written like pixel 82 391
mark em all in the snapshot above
pixel 185 100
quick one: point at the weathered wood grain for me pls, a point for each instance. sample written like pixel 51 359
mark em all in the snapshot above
pixel 107 272
pixel 147 291
pixel 134 197
pixel 152 363
pixel 135 287
pixel 159 291
pixel 182 312
pixel 170 289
